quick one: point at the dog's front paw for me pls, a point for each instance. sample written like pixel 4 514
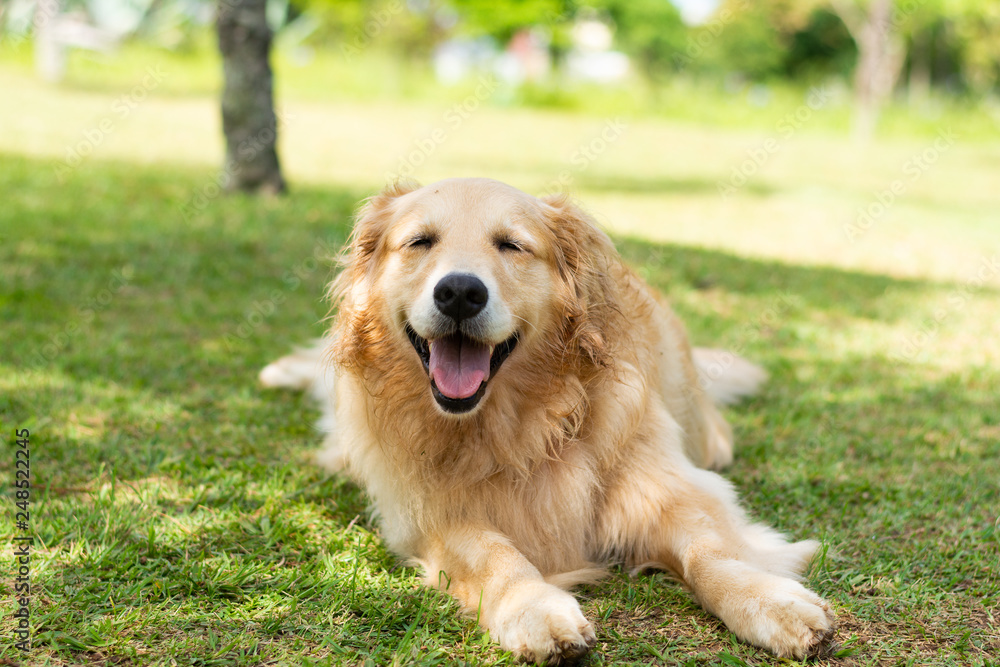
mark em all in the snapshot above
pixel 805 623
pixel 543 624
pixel 786 618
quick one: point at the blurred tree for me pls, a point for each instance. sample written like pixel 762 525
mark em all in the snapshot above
pixel 746 38
pixel 819 49
pixel 502 18
pixel 951 43
pixel 651 31
pixel 248 119
pixel 921 34
pixel 975 26
pixel 932 42
pixel 873 28
pixel 410 29
pixel 881 53
pixel 50 55
pixel 61 25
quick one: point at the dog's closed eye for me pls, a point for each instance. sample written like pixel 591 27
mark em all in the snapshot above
pixel 505 244
pixel 425 241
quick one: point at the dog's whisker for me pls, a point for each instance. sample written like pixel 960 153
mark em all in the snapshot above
pixel 533 328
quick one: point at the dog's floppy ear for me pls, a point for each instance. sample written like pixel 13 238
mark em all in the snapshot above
pixel 372 221
pixel 367 236
pixel 584 256
pixel 348 291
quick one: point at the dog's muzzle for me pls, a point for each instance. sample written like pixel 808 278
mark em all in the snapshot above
pixel 460 365
pixel 460 296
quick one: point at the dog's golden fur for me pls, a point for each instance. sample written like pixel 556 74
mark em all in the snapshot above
pixel 589 446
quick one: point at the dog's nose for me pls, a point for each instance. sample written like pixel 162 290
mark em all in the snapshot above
pixel 460 296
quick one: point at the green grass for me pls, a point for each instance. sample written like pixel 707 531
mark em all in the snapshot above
pixel 378 75
pixel 658 179
pixel 177 516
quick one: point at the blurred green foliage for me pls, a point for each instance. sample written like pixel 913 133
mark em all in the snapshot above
pixel 649 30
pixel 744 41
pixel 502 19
pixel 949 44
pixel 822 48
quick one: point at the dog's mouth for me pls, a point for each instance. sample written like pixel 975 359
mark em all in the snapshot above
pixel 459 367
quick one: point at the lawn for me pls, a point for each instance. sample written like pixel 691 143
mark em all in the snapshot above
pixel 176 515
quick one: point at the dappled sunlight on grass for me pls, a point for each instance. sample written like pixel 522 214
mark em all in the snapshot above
pixel 817 199
pixel 178 511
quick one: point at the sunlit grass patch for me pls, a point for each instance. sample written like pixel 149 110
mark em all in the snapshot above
pixel 176 510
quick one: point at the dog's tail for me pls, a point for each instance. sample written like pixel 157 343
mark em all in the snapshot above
pixel 306 369
pixel 726 377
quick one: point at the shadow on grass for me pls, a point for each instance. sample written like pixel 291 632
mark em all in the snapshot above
pixel 685 186
pixel 154 376
pixel 604 183
pixel 211 297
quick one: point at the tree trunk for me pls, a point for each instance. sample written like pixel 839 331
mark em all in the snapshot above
pixel 248 119
pixel 50 54
pixel 880 58
pixel 919 85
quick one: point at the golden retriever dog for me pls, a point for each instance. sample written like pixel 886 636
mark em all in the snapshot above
pixel 524 411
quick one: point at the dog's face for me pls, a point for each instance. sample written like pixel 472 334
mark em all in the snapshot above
pixel 466 272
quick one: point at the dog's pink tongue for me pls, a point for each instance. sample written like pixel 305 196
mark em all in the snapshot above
pixel 459 365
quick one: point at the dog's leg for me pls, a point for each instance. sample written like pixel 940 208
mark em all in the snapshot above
pixel 492 579
pixel 688 520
